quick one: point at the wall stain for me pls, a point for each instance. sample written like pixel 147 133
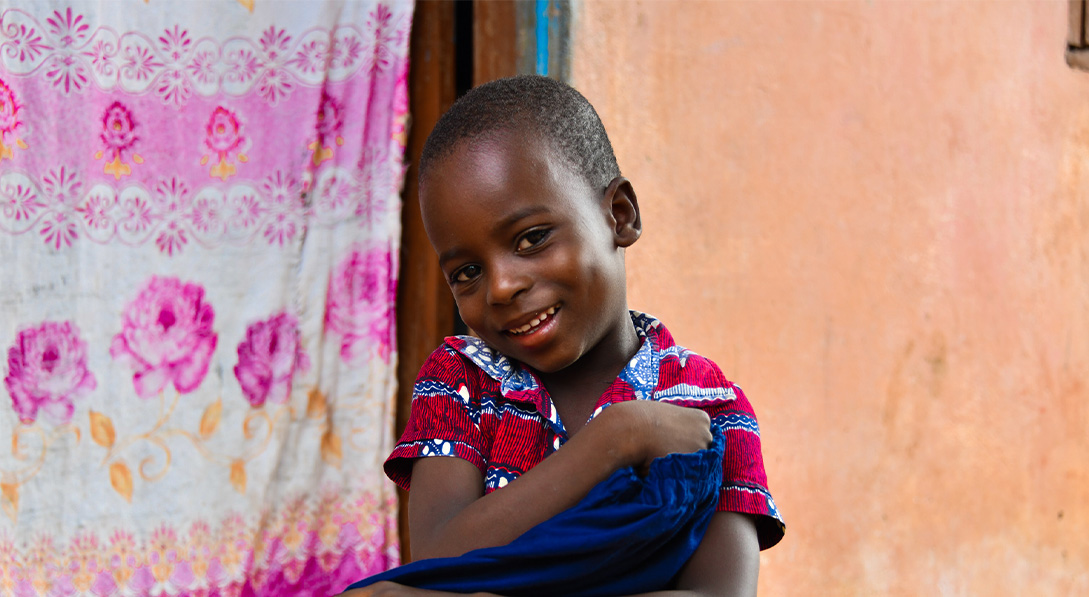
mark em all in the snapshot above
pixel 895 391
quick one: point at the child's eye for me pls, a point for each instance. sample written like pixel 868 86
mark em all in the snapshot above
pixel 532 239
pixel 465 274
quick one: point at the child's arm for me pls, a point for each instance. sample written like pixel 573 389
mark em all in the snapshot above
pixel 450 515
pixel 725 564
pixel 727 561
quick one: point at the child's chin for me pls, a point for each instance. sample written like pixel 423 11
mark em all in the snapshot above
pixel 548 366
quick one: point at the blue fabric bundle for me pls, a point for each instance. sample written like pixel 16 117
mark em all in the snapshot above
pixel 630 534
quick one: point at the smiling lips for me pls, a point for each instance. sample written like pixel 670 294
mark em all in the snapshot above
pixel 534 323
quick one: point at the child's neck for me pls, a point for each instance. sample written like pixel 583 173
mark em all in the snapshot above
pixel 575 390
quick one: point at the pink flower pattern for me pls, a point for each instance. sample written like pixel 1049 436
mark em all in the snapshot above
pixel 171 238
pixel 337 194
pixel 272 66
pixel 223 132
pixel 118 128
pixel 207 215
pixel 268 358
pixel 223 135
pixel 175 42
pixel 345 51
pixel 96 211
pixel 66 72
pixel 283 196
pixel 137 215
pixel 26 44
pixel 275 85
pixel 202 68
pixel 311 56
pixel 330 120
pixel 173 87
pixel 9 120
pixel 68 27
pixel 245 212
pixel 360 301
pixel 388 34
pixel 244 66
pixel 282 229
pixel 172 200
pixel 167 336
pixel 63 185
pixel 274 42
pixel 59 229
pixel 140 63
pixel 19 202
pixel 47 371
pixel 101 56
pixel 65 69
pixel 119 136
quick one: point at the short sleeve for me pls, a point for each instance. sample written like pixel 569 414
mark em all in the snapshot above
pixel 697 382
pixel 744 481
pixel 444 419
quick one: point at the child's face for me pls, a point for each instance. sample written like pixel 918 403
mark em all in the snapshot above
pixel 532 253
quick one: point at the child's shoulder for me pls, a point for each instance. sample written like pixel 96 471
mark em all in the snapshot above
pixel 469 361
pixel 450 363
pixel 682 371
pixel 674 356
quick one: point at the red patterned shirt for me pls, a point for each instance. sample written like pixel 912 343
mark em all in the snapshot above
pixel 474 403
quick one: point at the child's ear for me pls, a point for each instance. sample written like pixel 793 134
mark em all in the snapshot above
pixel 624 211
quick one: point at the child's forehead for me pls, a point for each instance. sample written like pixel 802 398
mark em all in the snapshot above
pixel 490 152
pixel 486 143
pixel 495 176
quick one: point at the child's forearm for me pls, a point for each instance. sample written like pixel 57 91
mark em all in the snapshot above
pixel 462 522
pixel 448 516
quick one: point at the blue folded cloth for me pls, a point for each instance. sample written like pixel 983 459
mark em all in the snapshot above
pixel 630 534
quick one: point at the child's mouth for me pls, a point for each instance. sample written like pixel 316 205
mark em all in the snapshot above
pixel 535 323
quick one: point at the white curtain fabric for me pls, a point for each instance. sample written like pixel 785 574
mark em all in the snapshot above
pixel 199 228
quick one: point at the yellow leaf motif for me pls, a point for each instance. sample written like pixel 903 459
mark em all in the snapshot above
pixel 10 499
pixel 330 448
pixel 248 4
pixel 315 407
pixel 238 475
pixel 102 430
pixel 121 479
pixel 210 420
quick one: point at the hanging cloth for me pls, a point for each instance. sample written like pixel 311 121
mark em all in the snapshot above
pixel 199 231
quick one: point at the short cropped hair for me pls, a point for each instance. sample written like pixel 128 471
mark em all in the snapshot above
pixel 537 105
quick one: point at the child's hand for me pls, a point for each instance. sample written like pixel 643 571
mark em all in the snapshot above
pixel 656 429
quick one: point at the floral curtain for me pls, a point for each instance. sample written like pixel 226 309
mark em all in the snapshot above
pixel 199 224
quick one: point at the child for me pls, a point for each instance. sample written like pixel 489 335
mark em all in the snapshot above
pixel 523 201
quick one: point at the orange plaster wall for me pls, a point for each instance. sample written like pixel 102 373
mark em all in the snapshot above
pixel 875 216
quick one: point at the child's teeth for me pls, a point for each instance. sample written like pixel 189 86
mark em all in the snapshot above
pixel 535 322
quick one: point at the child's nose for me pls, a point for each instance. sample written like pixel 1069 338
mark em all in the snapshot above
pixel 507 282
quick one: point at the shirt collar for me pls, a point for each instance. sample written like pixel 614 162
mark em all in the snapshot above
pixel 518 382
